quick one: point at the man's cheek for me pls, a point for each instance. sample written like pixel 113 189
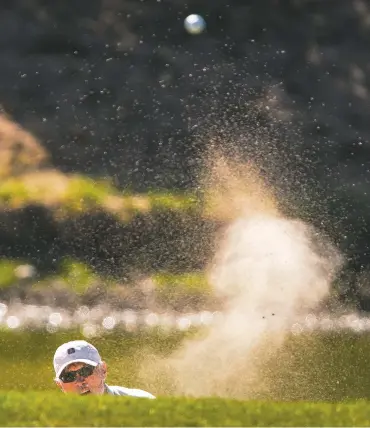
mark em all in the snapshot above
pixel 71 387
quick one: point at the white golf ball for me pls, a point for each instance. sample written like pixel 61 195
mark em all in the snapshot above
pixel 194 24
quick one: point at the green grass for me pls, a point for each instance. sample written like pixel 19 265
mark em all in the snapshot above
pixel 322 366
pixel 41 409
pixel 318 367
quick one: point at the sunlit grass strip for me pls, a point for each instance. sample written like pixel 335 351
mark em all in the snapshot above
pixel 41 409
pixel 70 194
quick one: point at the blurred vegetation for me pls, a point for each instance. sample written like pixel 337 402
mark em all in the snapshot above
pixel 81 232
pixel 80 282
pixel 8 275
pixel 41 409
pixel 76 276
pixel 177 289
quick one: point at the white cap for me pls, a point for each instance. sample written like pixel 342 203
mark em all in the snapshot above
pixel 76 351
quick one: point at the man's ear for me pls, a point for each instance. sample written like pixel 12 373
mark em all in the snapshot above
pixel 103 368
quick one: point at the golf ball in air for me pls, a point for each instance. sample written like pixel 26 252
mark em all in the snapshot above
pixel 195 24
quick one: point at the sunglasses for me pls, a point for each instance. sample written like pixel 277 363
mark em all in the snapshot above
pixel 68 377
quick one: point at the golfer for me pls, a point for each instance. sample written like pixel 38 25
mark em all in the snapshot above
pixel 79 369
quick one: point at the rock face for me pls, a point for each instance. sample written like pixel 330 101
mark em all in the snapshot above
pixel 20 152
pixel 117 87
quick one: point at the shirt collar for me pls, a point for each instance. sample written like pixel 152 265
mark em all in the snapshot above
pixel 107 390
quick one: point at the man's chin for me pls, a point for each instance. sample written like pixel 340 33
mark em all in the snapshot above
pixel 85 392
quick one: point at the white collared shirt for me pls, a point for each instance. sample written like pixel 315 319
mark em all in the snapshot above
pixel 120 390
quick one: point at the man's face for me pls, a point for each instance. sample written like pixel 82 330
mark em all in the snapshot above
pixel 82 384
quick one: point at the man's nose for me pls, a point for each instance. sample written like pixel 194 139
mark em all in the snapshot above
pixel 80 378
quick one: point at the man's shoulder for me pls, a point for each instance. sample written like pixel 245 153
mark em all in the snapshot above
pixel 129 392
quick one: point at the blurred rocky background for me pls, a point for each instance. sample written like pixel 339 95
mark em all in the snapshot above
pixel 108 107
